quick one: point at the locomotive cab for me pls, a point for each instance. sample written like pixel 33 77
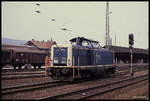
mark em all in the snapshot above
pixel 83 42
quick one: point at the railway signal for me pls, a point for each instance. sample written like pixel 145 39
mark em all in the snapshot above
pixel 131 42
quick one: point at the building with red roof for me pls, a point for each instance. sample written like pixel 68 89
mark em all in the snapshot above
pixel 42 45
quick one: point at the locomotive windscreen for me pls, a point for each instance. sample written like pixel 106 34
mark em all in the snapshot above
pixel 60 56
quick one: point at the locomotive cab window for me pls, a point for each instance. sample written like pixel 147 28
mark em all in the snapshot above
pixel 96 45
pixel 73 43
pixel 85 43
pixel 90 45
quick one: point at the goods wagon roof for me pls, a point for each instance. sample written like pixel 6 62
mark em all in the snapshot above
pixel 29 51
pixel 21 49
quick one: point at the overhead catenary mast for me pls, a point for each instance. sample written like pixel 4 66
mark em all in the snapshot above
pixel 115 39
pixel 107 38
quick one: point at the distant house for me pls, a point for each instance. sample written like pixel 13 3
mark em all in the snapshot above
pixel 42 45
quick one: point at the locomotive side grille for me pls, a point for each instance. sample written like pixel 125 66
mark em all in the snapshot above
pixel 60 56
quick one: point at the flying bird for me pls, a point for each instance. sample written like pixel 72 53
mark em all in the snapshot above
pixel 53 19
pixel 65 29
pixel 38 4
pixel 37 11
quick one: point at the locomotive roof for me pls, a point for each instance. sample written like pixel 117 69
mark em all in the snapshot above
pixel 82 38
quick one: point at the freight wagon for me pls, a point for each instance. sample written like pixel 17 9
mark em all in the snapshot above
pixel 18 56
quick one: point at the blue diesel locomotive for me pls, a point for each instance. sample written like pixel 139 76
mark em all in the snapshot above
pixel 82 58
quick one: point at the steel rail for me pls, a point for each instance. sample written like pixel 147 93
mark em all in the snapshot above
pixel 21 70
pixel 25 87
pixel 22 73
pixel 21 88
pixel 116 86
pixel 10 77
pixel 71 94
pixel 55 81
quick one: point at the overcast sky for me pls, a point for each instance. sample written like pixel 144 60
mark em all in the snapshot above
pixel 88 19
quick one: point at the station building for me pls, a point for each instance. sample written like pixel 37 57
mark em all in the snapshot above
pixel 122 54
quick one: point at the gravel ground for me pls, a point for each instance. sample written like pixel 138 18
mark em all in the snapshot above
pixel 51 91
pixel 6 83
pixel 55 90
pixel 139 90
pixel 22 73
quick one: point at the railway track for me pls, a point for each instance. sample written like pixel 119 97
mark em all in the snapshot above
pixel 119 66
pixel 20 76
pixel 29 87
pixel 135 66
pixel 85 93
pixel 22 73
pixel 52 84
pixel 21 70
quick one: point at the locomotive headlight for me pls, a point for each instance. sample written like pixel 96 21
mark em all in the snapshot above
pixel 55 59
pixel 63 60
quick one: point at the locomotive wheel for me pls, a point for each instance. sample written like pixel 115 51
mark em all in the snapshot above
pixel 113 71
pixel 106 73
pixel 19 67
pixel 27 66
pixel 39 66
pixel 71 79
pixel 14 67
pixel 34 67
